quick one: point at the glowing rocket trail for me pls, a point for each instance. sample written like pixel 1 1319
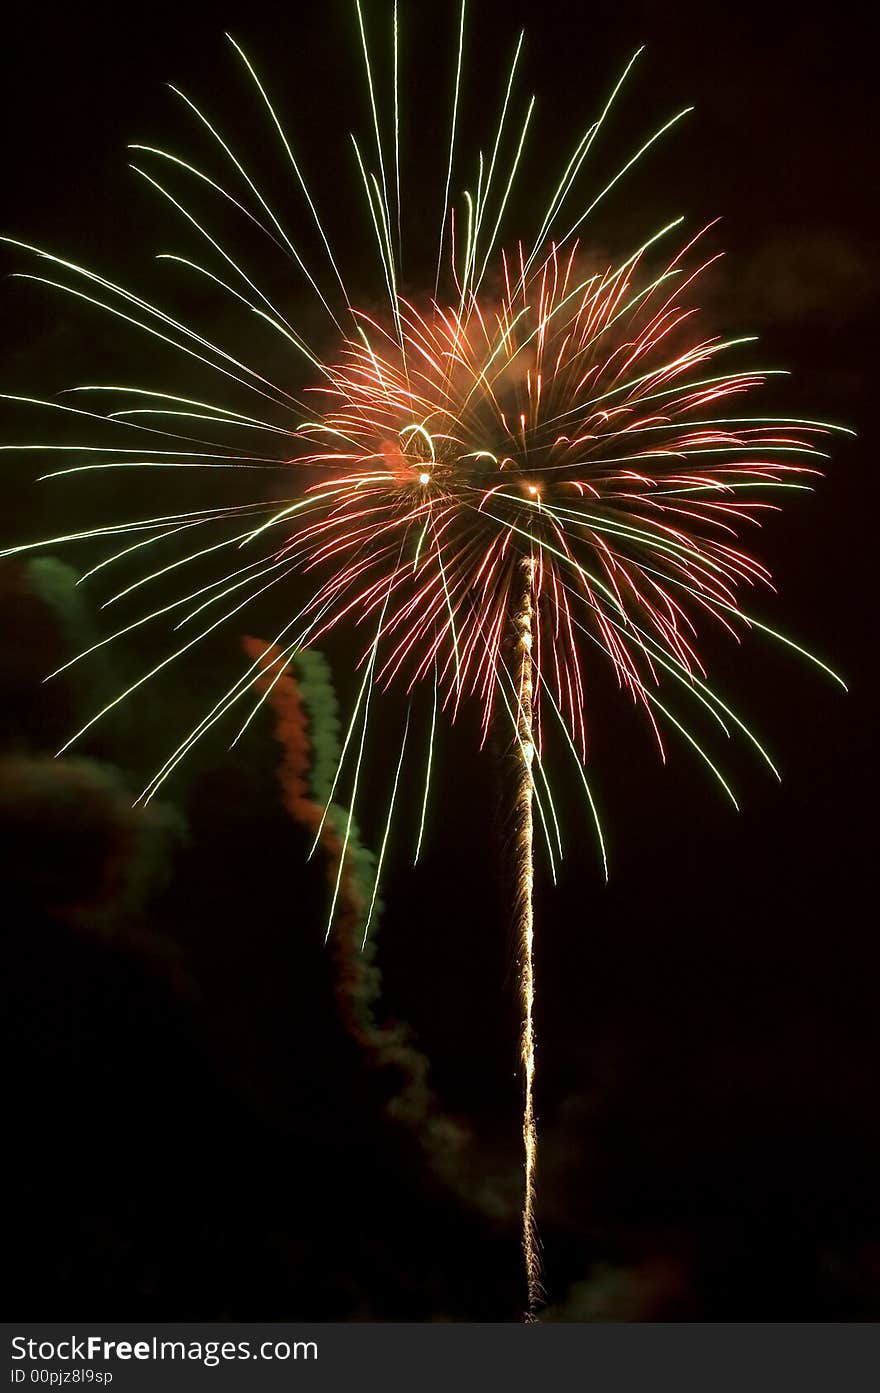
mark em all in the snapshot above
pixel 524 755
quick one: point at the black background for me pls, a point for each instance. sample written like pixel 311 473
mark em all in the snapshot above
pixel 192 1134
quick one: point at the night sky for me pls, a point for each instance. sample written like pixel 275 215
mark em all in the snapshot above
pixel 193 1131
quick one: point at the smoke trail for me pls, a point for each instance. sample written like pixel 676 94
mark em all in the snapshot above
pixel 46 619
pixel 307 729
pixel 73 847
pixel 55 585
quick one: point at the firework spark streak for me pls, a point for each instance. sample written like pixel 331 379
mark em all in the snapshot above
pixel 544 463
pixel 524 756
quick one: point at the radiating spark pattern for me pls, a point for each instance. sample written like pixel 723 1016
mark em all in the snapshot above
pixel 541 466
pixel 573 419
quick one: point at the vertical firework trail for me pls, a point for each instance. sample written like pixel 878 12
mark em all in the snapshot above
pixel 524 754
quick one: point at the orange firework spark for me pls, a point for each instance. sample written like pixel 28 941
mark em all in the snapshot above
pixel 570 422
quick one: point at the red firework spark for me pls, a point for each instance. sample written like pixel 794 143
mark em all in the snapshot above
pixel 572 421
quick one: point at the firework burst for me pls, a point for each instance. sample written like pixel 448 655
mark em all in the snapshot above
pixel 544 463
